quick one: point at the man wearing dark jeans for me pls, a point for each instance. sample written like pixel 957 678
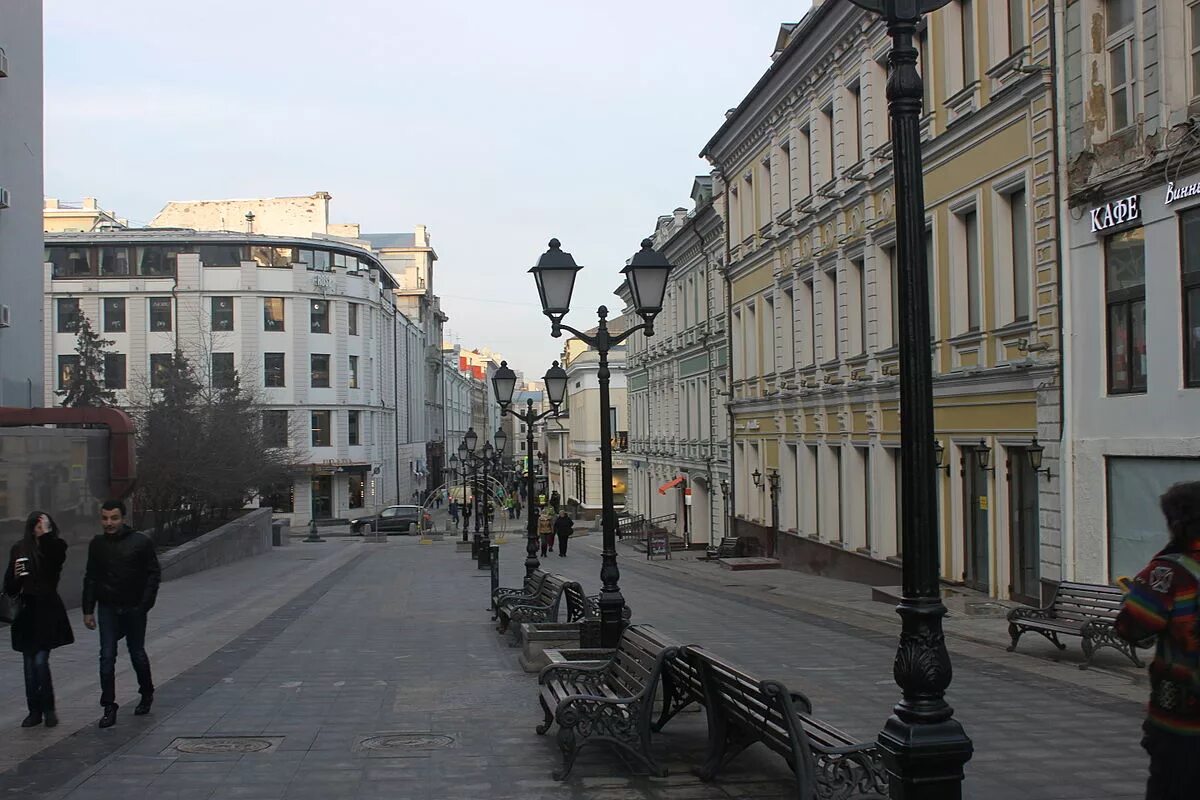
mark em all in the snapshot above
pixel 122 576
pixel 563 528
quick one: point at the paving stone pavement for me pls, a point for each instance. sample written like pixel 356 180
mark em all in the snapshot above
pixel 393 639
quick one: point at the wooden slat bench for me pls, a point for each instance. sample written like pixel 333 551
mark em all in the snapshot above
pixel 743 709
pixel 612 703
pixel 514 610
pixel 529 589
pixel 1086 610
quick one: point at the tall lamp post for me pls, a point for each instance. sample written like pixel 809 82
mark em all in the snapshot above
pixel 504 382
pixel 924 747
pixel 773 486
pixel 646 276
pixel 464 462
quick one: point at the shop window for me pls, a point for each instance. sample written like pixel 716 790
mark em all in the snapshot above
pixel 67 367
pixel 222 255
pixel 318 314
pixel 275 428
pixel 273 314
pixel 1125 291
pixel 114 314
pixel 353 434
pixel 320 428
pixel 358 492
pixel 224 374
pixel 1136 529
pixel 281 499
pixel 222 313
pixel 274 370
pixel 320 370
pixel 160 370
pixel 1189 225
pixel 68 314
pixel 160 314
pixel 1120 17
pixel 114 370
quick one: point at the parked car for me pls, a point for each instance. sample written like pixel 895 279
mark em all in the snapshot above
pixel 393 519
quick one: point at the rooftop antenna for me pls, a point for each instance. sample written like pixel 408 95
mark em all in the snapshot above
pixel 249 222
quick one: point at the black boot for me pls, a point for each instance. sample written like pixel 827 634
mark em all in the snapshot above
pixel 110 716
pixel 51 718
pixel 34 719
pixel 143 707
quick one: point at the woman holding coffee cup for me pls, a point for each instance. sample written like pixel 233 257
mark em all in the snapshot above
pixel 41 624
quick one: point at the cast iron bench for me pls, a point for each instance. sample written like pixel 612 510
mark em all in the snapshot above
pixel 585 610
pixel 611 703
pixel 514 610
pixel 743 709
pixel 528 591
pixel 1078 609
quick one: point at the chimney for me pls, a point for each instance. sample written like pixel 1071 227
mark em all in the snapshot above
pixel 249 222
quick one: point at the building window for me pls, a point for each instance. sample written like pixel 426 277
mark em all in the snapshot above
pixel 352 319
pixel 273 314
pixel 315 260
pixel 158 261
pixel 854 106
pixel 1194 45
pixel 888 272
pixel 352 428
pixel 320 370
pixel 70 261
pixel 114 314
pixel 785 182
pixel 357 489
pixel 160 314
pixel 320 428
pixel 1016 26
pixel 966 9
pixel 273 370
pixel 68 314
pixel 353 372
pixel 924 64
pixel 222 313
pixel 1189 225
pixel 67 367
pixel 1134 486
pixel 160 370
pixel 275 428
pixel 1018 212
pixel 318 314
pixel 345 262
pixel 222 255
pixel 830 150
pixel 806 163
pixel 114 261
pixel 279 257
pixel 969 229
pixel 1125 290
pixel 114 370
pixel 831 311
pixel 1122 60
pixel 857 305
pixel 223 371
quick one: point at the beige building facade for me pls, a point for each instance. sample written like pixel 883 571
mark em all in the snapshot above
pixel 804 182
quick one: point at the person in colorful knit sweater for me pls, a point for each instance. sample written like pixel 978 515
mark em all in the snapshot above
pixel 1162 601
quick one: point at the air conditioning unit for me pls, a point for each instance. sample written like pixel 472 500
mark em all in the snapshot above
pixel 5 198
pixel 5 316
pixel 3 63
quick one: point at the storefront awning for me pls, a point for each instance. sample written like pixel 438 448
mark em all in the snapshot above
pixel 671 484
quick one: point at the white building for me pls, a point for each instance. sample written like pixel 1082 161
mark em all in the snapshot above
pixel 310 324
pixel 21 354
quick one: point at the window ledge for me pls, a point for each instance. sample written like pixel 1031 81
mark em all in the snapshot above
pixel 968 338
pixel 964 103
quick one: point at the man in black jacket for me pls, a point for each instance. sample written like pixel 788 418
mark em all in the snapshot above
pixel 122 576
pixel 563 528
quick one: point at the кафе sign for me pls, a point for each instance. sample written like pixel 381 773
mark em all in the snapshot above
pixel 1129 209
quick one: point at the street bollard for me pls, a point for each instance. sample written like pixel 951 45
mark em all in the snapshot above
pixel 495 552
pixel 313 536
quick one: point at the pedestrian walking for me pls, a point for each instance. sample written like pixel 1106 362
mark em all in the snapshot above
pixel 545 528
pixel 555 501
pixel 1162 601
pixel 454 511
pixel 563 528
pixel 120 586
pixel 34 567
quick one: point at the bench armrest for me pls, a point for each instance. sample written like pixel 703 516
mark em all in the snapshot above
pixel 572 673
pixel 1031 613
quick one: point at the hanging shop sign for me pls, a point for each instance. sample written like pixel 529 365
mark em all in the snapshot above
pixel 1117 212
pixel 1180 192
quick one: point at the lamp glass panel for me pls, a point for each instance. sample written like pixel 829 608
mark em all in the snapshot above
pixel 648 286
pixel 555 286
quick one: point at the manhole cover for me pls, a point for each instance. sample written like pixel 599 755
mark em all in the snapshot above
pixel 406 741
pixel 210 745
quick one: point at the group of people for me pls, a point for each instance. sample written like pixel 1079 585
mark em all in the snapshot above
pixel 551 528
pixel 120 586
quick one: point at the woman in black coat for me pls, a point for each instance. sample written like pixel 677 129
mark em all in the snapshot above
pixel 34 567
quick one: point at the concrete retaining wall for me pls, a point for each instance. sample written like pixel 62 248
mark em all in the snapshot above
pixel 244 537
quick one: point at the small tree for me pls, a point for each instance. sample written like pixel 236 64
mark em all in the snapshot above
pixel 85 386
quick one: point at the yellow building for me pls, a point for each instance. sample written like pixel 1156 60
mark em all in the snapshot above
pixel 59 216
pixel 803 169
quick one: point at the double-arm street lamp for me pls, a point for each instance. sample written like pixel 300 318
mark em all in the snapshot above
pixel 646 276
pixel 479 464
pixel 504 382
pixel 924 747
pixel 773 485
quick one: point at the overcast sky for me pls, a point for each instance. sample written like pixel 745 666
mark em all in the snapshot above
pixel 497 125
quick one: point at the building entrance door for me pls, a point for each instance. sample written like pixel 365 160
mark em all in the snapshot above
pixel 1023 528
pixel 322 496
pixel 977 545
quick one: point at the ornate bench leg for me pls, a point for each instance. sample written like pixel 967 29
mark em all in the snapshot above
pixel 569 748
pixel 545 726
pixel 1015 633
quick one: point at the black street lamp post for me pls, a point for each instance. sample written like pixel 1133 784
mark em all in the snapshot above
pixel 646 276
pixel 924 747
pixel 504 382
pixel 773 487
pixel 489 458
pixel 464 462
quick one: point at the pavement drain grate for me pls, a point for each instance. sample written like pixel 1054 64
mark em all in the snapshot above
pixel 406 741
pixel 218 745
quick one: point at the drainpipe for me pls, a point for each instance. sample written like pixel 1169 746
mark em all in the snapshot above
pixel 708 457
pixel 732 529
pixel 396 395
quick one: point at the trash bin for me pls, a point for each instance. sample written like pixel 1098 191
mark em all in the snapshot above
pixel 281 532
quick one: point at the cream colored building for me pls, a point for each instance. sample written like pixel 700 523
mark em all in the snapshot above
pixel 60 216
pixel 804 180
